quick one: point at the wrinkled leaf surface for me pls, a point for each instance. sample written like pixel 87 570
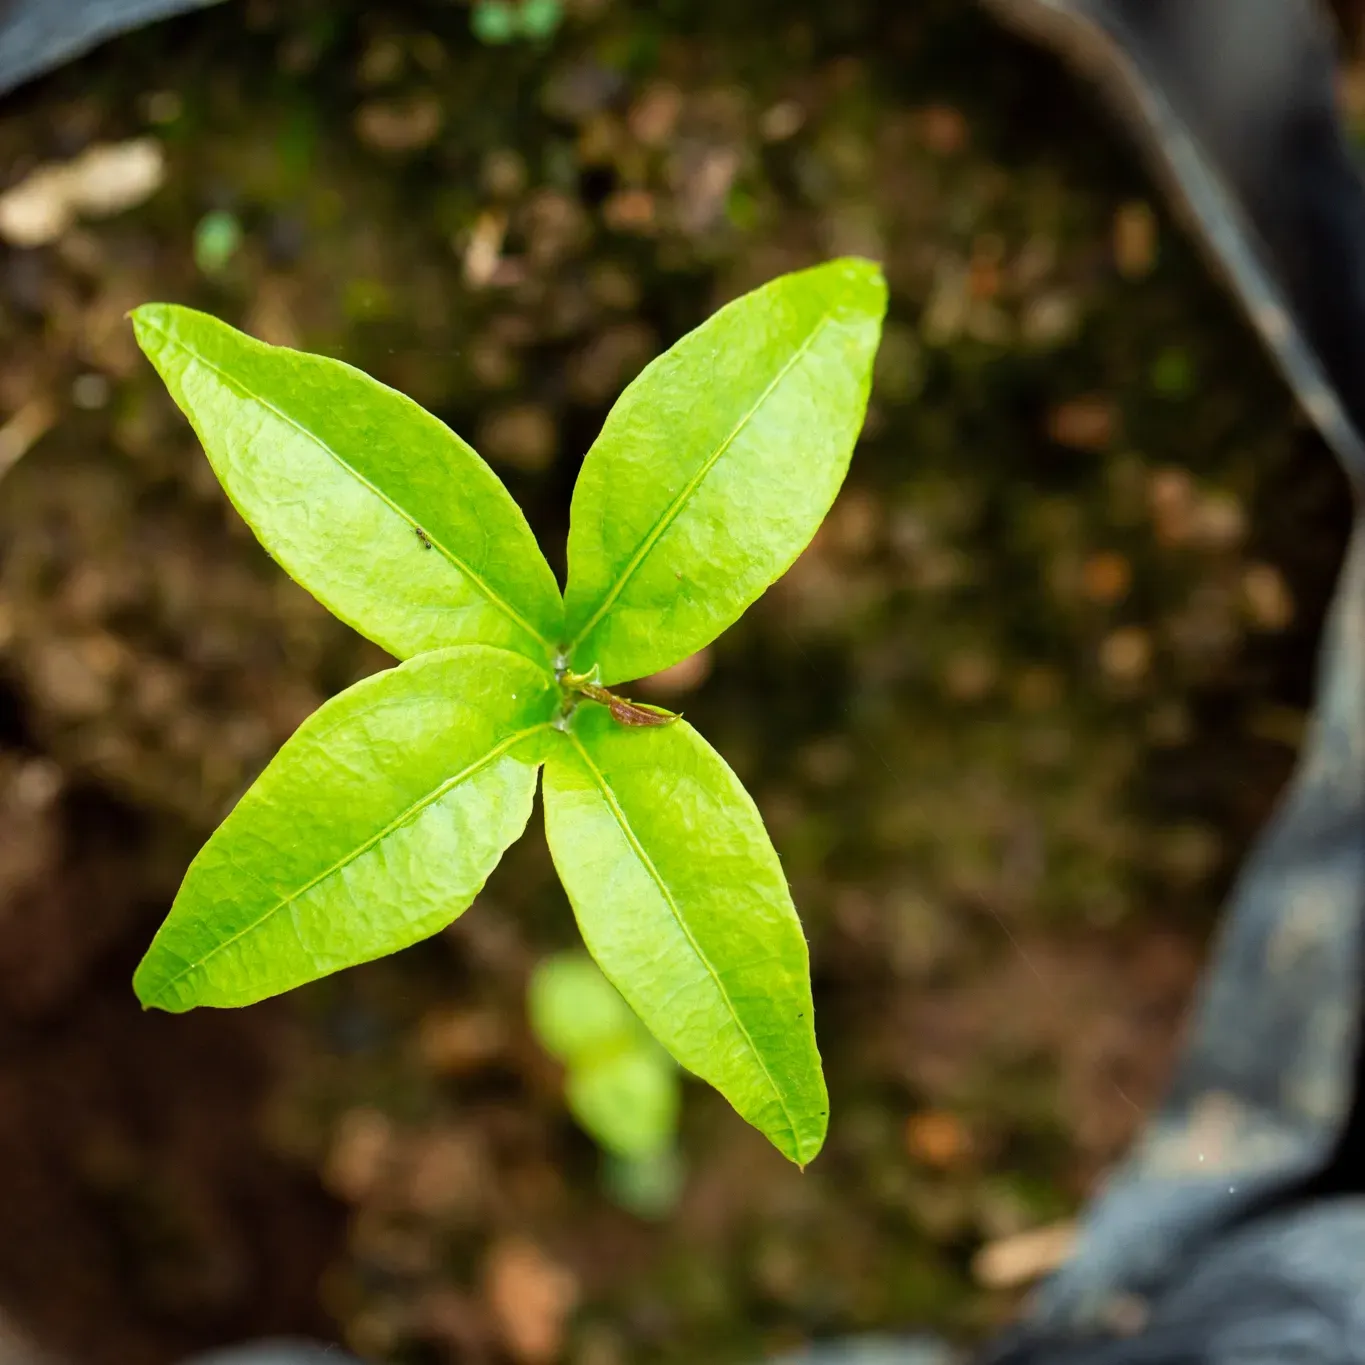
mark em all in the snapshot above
pixel 374 827
pixel 716 467
pixel 383 513
pixel 681 900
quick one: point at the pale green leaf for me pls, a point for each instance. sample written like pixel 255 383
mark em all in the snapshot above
pixel 628 1100
pixel 648 1186
pixel 374 827
pixel 621 1087
pixel 383 513
pixel 576 1012
pixel 682 902
pixel 716 466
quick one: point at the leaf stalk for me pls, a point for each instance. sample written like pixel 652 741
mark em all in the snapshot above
pixel 574 686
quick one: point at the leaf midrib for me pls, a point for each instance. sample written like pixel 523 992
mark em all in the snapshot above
pixel 493 597
pixel 408 815
pixel 671 513
pixel 657 878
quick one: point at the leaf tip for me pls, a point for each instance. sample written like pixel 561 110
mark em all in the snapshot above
pixel 153 990
pixel 802 1143
pixel 806 1138
pixel 146 998
pixel 148 320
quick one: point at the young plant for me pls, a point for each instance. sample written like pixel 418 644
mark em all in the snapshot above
pixel 504 21
pixel 378 822
pixel 621 1086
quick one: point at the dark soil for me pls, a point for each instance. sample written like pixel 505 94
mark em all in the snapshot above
pixel 1012 720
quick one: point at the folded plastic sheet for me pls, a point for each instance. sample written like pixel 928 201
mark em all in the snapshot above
pixel 1235 1231
pixel 37 35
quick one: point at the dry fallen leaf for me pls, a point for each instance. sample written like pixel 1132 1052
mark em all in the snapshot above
pixel 400 125
pixel 28 426
pixel 938 1139
pixel 531 1297
pixel 523 436
pixel 1014 1261
pixel 1268 600
pixel 362 1148
pixel 104 180
pixel 1106 577
pixel 1135 239
pixel 1087 423
pixel 483 251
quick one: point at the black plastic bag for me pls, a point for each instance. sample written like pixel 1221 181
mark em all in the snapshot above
pixel 37 35
pixel 1235 1231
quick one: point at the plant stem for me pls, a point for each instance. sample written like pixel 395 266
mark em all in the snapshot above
pixel 623 711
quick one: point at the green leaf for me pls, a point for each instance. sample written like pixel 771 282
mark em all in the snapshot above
pixel 494 21
pixel 376 507
pixel 682 901
pixel 716 466
pixel 576 1012
pixel 374 827
pixel 628 1101
pixel 622 1087
pixel 540 18
pixel 647 1186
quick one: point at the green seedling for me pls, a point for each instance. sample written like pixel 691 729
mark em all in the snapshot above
pixel 217 239
pixel 504 21
pixel 381 818
pixel 621 1086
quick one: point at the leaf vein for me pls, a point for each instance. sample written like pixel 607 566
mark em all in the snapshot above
pixel 410 814
pixel 671 512
pixel 493 597
pixel 657 878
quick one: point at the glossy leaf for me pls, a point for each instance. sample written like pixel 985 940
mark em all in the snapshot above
pixel 374 827
pixel 682 902
pixel 375 506
pixel 716 467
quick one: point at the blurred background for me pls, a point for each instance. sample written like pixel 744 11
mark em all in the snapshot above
pixel 1012 719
